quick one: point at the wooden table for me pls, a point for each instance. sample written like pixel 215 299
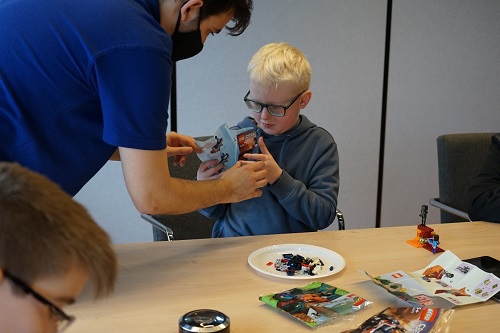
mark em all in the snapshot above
pixel 158 282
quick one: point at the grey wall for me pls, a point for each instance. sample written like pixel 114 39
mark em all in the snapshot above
pixel 444 77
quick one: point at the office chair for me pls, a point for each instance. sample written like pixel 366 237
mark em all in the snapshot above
pixel 187 226
pixel 182 226
pixel 340 219
pixel 191 225
pixel 460 157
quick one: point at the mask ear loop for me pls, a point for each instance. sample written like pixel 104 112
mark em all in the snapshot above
pixel 199 17
pixel 178 23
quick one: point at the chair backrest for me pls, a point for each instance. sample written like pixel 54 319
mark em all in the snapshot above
pixel 460 157
pixel 185 226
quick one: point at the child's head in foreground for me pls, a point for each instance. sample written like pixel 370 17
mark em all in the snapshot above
pixel 49 248
pixel 279 78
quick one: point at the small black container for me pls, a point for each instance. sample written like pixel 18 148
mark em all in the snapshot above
pixel 204 321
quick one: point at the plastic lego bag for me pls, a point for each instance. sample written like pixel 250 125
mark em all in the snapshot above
pixel 316 303
pixel 407 320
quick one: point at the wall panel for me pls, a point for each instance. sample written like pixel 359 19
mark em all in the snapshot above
pixel 444 78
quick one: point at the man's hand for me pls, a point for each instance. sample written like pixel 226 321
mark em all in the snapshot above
pixel 273 169
pixel 180 145
pixel 245 180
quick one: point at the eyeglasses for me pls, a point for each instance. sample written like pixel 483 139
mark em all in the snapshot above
pixel 274 110
pixel 63 320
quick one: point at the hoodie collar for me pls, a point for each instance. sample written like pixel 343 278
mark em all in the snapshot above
pixel 304 125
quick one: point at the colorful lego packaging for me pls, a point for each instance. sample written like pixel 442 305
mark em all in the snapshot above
pixel 407 320
pixel 316 303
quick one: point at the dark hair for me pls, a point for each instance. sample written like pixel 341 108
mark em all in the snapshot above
pixel 242 11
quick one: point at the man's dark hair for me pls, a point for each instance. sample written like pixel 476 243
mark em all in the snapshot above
pixel 242 11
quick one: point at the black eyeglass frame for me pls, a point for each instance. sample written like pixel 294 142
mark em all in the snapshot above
pixel 262 105
pixel 60 314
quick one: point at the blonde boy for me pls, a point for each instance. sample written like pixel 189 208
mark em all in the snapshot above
pixel 301 158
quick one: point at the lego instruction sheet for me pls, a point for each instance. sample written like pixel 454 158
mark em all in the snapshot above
pixel 446 282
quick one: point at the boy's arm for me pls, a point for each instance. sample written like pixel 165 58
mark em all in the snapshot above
pixel 313 203
pixel 214 212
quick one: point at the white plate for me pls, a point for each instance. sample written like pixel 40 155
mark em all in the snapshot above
pixel 260 258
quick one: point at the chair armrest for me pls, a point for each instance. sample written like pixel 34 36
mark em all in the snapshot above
pixel 159 226
pixel 436 203
pixel 340 219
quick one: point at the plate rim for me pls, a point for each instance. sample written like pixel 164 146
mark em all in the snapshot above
pixel 297 245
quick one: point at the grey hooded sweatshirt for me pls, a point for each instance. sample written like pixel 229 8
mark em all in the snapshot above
pixel 303 199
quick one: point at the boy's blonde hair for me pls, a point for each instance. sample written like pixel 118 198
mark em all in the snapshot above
pixel 43 231
pixel 279 64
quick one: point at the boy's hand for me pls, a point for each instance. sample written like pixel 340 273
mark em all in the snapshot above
pixel 273 169
pixel 209 170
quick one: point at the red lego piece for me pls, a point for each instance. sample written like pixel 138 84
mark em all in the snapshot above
pixel 423 232
pixel 421 239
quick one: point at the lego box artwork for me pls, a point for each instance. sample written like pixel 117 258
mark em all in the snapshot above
pixel 316 303
pixel 407 320
pixel 227 145
pixel 446 282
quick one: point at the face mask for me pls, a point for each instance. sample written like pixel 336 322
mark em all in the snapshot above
pixel 186 44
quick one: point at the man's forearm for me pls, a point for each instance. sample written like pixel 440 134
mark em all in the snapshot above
pixel 183 196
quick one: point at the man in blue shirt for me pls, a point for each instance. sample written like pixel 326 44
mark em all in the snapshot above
pixel 82 82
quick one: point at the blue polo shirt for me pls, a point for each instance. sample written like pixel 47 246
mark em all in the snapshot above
pixel 79 79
